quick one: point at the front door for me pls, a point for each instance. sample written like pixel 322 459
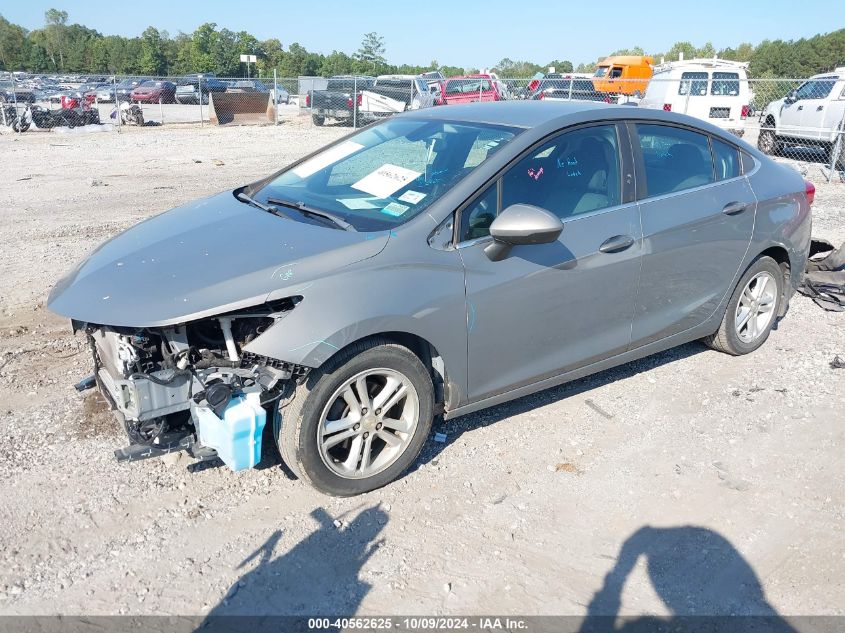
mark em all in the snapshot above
pixel 548 308
pixel 697 218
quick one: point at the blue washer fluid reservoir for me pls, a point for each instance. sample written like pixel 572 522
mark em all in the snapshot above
pixel 236 437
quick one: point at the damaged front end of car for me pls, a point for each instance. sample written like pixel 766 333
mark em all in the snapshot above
pixel 192 387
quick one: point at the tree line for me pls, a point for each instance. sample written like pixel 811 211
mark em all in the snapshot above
pixel 59 47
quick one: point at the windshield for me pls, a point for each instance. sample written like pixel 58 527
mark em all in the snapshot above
pixel 601 71
pixel 389 173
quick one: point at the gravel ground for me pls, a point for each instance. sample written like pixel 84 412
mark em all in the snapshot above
pixel 688 482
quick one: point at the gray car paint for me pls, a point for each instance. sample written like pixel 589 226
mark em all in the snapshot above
pixel 356 285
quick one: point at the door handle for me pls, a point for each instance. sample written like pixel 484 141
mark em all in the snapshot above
pixel 733 208
pixel 616 244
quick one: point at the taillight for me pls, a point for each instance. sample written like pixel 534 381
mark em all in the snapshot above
pixel 308 100
pixel 810 190
pixel 745 111
pixel 349 102
pixel 360 99
pixel 607 100
pixel 667 107
pixel 541 95
pixel 532 85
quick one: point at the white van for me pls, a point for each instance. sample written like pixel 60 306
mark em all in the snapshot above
pixel 715 90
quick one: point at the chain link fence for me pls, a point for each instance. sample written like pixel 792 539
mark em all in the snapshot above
pixel 801 120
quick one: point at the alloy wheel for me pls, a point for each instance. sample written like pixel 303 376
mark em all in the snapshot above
pixel 756 307
pixel 368 423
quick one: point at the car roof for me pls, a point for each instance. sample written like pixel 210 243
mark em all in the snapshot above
pixel 525 114
pixel 528 114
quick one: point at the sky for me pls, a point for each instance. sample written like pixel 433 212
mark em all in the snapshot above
pixel 466 33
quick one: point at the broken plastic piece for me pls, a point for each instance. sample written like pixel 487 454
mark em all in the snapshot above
pixel 440 437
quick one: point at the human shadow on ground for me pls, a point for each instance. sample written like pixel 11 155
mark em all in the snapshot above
pixel 704 582
pixel 320 575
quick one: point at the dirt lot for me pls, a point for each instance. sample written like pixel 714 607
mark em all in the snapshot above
pixel 697 482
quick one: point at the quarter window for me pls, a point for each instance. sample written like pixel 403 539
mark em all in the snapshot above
pixel 575 173
pixel 725 160
pixel 674 158
pixel 477 217
pixel 693 84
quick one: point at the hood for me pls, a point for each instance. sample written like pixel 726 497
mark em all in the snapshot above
pixel 201 259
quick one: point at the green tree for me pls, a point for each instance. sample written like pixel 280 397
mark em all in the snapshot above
pixel 13 45
pixel 55 25
pixel 371 53
pixel 153 59
pixel 564 66
pixel 674 53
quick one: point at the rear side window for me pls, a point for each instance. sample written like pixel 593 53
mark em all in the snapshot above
pixel 725 84
pixel 725 160
pixel 674 158
pixel 616 72
pixel 693 84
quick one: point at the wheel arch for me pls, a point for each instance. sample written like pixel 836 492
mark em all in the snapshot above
pixel 780 254
pixel 423 349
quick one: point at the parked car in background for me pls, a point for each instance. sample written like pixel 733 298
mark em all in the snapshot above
pixel 563 87
pixel 390 94
pixel 441 262
pixel 154 91
pixel 340 100
pixel 196 88
pixel 256 85
pixel 106 93
pixel 812 114
pixel 715 90
pixel 469 89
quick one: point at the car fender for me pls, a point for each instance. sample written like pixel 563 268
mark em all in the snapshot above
pixel 406 289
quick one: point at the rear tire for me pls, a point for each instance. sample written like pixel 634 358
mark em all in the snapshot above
pixel 339 469
pixel 752 309
pixel 318 119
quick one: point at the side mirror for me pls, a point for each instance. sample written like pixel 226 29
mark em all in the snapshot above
pixel 790 97
pixel 521 224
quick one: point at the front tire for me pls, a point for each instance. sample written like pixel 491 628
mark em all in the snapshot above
pixel 318 119
pixel 360 421
pixel 767 141
pixel 752 309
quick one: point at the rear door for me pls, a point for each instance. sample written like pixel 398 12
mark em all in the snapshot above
pixel 697 218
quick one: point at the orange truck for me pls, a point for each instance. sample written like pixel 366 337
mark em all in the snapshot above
pixel 623 74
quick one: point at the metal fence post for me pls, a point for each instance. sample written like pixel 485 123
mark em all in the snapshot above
pixel 355 102
pixel 161 110
pixel 15 99
pixel 275 97
pixel 116 101
pixel 199 88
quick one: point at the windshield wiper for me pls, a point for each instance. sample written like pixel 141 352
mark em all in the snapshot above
pixel 264 207
pixel 306 210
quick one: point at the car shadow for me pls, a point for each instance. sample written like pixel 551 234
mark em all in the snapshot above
pixel 453 429
pixel 702 580
pixel 318 575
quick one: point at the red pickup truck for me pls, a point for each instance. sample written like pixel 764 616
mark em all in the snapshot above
pixel 469 89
